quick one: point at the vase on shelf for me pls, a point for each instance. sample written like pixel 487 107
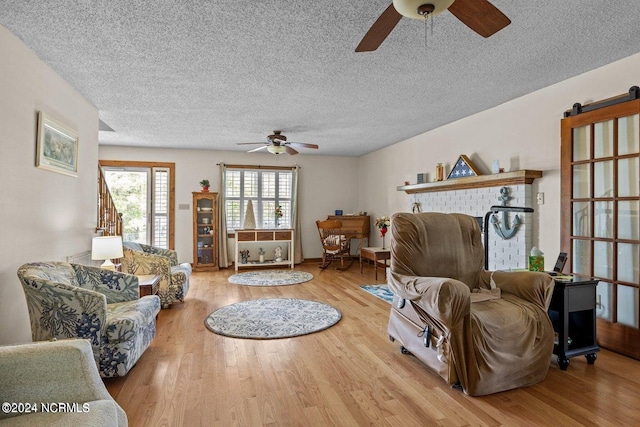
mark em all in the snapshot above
pixel 383 231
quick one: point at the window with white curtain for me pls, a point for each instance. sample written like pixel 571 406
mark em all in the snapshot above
pixel 267 189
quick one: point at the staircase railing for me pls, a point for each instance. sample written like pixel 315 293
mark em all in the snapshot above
pixel 109 220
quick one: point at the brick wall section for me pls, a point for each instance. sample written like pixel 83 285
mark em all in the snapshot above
pixel 503 254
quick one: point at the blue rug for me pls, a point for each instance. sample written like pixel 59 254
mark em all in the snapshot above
pixel 380 291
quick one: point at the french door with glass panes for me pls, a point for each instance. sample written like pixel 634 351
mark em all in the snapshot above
pixel 600 225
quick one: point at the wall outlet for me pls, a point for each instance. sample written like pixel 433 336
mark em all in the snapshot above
pixel 540 198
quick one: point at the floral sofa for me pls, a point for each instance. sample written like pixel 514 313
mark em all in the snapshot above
pixel 145 259
pixel 44 375
pixel 76 301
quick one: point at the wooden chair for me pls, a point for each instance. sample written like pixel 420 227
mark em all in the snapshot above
pixel 335 245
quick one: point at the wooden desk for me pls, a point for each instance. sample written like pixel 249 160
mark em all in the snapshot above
pixel 375 255
pixel 148 284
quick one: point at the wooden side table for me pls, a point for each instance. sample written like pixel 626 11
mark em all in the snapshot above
pixel 573 314
pixel 375 254
pixel 149 284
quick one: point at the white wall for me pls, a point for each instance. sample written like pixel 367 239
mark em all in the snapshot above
pixel 43 215
pixel 522 134
pixel 326 184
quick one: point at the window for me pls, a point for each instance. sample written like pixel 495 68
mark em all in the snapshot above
pixel 142 193
pixel 267 189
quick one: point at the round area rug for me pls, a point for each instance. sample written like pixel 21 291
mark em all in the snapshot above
pixel 272 318
pixel 271 278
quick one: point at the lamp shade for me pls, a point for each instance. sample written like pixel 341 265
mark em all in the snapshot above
pixel 106 248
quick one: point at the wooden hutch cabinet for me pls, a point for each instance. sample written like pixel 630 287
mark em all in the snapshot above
pixel 205 231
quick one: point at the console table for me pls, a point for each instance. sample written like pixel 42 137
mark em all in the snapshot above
pixel 573 314
pixel 244 237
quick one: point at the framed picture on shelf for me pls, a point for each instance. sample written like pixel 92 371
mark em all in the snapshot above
pixel 57 146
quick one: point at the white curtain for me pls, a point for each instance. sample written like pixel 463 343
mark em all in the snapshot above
pixel 295 220
pixel 223 243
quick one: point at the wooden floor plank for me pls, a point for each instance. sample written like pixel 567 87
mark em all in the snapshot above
pixel 347 375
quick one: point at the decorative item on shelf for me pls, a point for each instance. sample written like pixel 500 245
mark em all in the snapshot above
pixel 261 253
pixel 439 172
pixel 244 256
pixel 106 248
pixel 277 252
pixel 407 183
pixel 495 166
pixel 421 178
pixel 278 215
pixel 249 217
pixel 463 168
pixel 205 185
pixel 338 212
pixel 383 223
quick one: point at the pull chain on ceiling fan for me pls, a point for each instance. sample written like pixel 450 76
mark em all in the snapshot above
pixel 479 15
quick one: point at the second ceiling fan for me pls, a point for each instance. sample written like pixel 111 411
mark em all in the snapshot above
pixel 479 15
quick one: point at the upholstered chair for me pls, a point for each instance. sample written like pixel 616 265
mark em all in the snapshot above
pixel 141 259
pixel 45 375
pixel 103 306
pixel 484 331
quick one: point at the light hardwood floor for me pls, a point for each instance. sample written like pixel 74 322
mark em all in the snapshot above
pixel 347 375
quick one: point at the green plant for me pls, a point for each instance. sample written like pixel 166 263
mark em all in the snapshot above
pixel 204 183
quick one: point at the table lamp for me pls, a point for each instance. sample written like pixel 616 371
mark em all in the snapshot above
pixel 106 248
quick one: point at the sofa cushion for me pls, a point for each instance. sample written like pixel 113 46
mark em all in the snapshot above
pixel 125 319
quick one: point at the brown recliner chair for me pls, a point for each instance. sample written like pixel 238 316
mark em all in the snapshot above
pixel 486 331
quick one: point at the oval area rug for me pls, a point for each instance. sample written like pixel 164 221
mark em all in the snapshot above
pixel 271 278
pixel 272 318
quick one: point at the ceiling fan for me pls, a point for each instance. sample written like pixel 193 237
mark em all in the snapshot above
pixel 278 144
pixel 479 15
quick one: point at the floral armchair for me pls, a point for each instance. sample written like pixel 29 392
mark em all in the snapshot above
pixel 142 259
pixel 44 374
pixel 103 306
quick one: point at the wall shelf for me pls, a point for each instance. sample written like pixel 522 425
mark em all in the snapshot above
pixel 495 180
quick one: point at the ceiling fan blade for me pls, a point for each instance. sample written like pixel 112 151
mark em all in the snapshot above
pixel 290 150
pixel 257 149
pixel 303 144
pixel 479 15
pixel 251 143
pixel 379 30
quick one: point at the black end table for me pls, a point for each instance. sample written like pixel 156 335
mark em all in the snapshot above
pixel 573 314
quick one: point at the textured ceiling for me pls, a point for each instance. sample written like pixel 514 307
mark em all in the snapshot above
pixel 208 74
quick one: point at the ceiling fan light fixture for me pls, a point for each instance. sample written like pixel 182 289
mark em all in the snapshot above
pixel 409 8
pixel 277 149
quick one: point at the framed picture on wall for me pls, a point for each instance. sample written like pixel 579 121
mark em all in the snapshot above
pixel 57 146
